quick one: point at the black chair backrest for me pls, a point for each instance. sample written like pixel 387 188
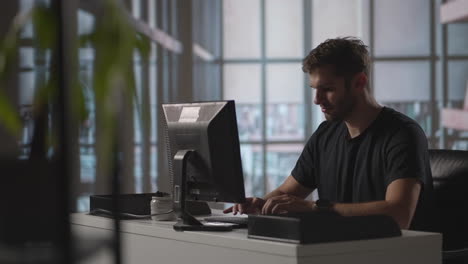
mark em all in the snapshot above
pixel 450 176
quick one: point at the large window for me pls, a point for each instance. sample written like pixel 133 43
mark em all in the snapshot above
pixel 251 51
pixel 264 42
pixel 263 45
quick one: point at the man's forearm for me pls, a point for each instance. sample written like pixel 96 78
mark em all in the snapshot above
pixel 290 186
pixel 399 212
pixel 275 192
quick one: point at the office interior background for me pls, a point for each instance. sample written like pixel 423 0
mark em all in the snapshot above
pixel 251 51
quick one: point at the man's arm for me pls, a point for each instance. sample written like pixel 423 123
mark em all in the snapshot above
pixel 289 188
pixel 400 203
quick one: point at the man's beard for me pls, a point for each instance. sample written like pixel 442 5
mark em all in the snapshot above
pixel 342 108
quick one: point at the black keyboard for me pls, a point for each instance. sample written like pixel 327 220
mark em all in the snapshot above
pixel 241 221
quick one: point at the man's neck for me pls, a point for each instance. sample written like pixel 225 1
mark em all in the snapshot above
pixel 362 117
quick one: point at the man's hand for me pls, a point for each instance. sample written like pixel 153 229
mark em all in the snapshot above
pixel 252 205
pixel 287 203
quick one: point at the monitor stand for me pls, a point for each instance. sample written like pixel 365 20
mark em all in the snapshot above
pixel 185 221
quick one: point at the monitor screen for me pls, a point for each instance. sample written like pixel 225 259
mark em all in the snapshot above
pixel 213 170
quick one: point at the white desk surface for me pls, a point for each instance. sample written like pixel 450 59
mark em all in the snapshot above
pixel 410 241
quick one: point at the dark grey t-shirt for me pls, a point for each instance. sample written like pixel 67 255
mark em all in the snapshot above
pixel 353 170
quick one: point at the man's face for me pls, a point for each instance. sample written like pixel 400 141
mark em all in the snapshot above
pixel 331 93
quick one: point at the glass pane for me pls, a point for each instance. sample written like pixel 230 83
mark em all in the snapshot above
pixel 206 78
pixel 280 159
pixel 317 116
pixel 285 104
pixel 460 145
pixel 284 28
pixel 138 170
pixel 26 57
pixel 152 13
pixel 88 164
pixel 402 81
pixel 252 165
pixel 27 30
pixel 136 8
pixel 242 84
pixel 339 18
pixel 86 57
pixel 82 203
pixel 138 71
pixel 85 22
pixel 402 27
pixel 420 111
pixel 457 79
pixel 241 20
pixel 153 100
pixel 457 39
pixel 27 83
pixel 154 167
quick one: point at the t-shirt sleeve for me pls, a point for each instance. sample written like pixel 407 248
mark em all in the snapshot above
pixel 407 155
pixel 303 172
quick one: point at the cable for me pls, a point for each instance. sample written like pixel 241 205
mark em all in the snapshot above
pixel 135 216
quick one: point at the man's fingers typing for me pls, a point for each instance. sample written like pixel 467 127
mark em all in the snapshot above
pixel 228 210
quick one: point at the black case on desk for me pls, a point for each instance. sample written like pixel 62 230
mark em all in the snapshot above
pixel 139 204
pixel 318 227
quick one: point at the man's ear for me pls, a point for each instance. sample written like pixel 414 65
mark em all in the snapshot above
pixel 360 81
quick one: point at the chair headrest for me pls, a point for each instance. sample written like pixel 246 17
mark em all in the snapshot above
pixel 447 164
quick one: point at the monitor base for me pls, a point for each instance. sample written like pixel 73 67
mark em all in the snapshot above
pixel 179 226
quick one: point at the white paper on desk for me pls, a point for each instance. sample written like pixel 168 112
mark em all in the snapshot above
pixel 189 114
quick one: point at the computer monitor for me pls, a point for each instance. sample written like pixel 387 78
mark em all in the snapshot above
pixel 204 156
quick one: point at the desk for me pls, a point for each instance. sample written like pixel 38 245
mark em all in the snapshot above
pixel 146 241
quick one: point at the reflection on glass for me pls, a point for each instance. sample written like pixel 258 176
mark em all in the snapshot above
pixel 252 164
pixel 280 159
pixel 285 121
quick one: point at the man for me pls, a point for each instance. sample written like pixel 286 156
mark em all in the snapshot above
pixel 364 159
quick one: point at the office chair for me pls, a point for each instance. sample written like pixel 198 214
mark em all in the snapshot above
pixel 450 176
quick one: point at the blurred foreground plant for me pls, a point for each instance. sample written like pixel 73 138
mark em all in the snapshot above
pixel 114 41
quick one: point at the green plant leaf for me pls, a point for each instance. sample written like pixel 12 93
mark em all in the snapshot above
pixel 143 44
pixel 45 26
pixel 9 116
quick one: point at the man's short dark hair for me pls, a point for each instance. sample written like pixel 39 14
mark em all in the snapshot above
pixel 347 55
